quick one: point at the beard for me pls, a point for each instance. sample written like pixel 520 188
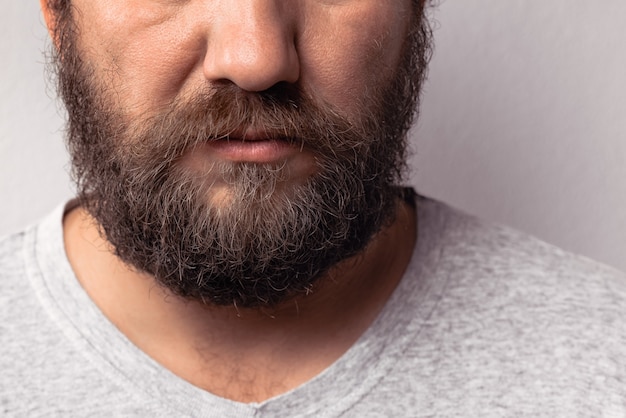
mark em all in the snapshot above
pixel 270 239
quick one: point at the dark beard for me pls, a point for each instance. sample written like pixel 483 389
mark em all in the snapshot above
pixel 275 238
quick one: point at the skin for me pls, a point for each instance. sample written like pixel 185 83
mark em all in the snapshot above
pixel 149 53
pixel 157 50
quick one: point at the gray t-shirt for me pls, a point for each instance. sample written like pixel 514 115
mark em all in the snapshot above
pixel 486 322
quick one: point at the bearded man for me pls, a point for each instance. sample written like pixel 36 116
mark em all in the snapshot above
pixel 241 246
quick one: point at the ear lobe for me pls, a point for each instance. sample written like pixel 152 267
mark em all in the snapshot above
pixel 50 19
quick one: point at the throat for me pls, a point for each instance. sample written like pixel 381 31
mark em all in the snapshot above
pixel 245 355
pixel 254 373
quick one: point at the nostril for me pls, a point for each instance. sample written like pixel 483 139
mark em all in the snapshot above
pixel 254 58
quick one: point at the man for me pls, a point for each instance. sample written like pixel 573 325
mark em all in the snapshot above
pixel 240 244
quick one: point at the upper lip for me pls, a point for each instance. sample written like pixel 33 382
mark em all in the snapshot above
pixel 254 134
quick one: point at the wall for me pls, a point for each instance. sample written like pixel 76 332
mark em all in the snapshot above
pixel 522 120
pixel 33 164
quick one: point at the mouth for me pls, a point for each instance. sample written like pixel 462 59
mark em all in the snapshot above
pixel 296 161
pixel 257 151
pixel 254 146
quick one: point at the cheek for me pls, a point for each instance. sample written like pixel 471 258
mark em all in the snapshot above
pixel 141 52
pixel 153 70
pixel 356 57
pixel 148 52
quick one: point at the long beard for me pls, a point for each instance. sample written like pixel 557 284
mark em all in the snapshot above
pixel 271 239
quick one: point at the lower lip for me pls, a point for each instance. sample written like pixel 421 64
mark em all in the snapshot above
pixel 266 151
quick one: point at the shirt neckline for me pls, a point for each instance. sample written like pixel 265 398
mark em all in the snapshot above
pixel 330 393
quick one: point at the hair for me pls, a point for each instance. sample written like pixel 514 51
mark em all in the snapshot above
pixel 343 206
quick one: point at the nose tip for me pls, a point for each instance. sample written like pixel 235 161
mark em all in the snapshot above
pixel 255 51
pixel 254 67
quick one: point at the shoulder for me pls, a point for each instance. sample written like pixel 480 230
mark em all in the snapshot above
pixel 11 244
pixel 480 253
pixel 506 273
pixel 519 321
pixel 11 260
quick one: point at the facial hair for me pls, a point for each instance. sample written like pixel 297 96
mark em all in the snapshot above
pixel 274 238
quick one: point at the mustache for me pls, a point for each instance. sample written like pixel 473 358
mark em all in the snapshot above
pixel 284 112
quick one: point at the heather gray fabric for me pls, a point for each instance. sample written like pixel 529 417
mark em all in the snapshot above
pixel 487 322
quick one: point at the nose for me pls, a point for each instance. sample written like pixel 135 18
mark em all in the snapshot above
pixel 252 44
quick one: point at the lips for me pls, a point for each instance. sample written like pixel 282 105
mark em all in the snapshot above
pixel 253 146
pixel 259 151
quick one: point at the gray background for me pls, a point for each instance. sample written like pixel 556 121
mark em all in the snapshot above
pixel 522 119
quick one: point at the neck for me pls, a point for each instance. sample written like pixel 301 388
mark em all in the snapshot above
pixel 255 354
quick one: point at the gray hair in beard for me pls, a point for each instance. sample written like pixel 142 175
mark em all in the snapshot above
pixel 271 243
